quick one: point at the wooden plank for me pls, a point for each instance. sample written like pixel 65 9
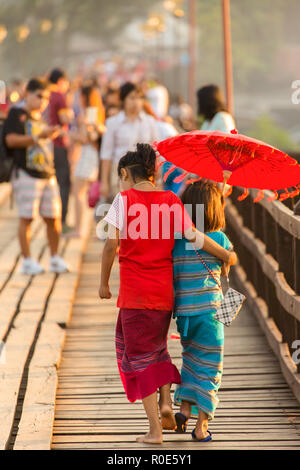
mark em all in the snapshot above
pixel 11 294
pixel 36 423
pixel 19 342
pixel 183 446
pixel 218 437
pixel 11 375
pixel 92 411
pixel 273 336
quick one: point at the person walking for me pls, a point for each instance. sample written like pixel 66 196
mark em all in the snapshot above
pixel 28 140
pixel 212 108
pixel 146 283
pixel 60 114
pixel 90 127
pixel 197 297
pixel 123 132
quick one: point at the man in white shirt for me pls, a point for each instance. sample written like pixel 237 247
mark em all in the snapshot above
pixel 123 131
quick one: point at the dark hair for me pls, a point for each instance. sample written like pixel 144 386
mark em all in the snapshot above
pixel 210 101
pixel 211 196
pixel 35 84
pixel 127 88
pixel 140 163
pixel 86 93
pixel 56 75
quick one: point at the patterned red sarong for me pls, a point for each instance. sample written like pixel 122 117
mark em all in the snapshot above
pixel 141 346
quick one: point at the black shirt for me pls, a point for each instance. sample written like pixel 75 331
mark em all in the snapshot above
pixel 36 160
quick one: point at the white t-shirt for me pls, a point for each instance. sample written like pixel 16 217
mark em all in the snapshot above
pixel 221 121
pixel 116 213
pixel 122 135
pixel 159 99
pixel 165 130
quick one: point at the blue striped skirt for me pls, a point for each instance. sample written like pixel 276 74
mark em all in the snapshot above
pixel 202 339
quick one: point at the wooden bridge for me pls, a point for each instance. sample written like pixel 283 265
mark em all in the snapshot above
pixel 60 387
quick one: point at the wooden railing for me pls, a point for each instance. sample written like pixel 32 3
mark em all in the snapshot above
pixel 266 236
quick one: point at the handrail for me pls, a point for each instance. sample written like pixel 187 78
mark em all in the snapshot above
pixel 280 213
pixel 266 236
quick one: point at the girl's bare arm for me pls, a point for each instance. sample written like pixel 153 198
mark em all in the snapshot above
pixel 108 256
pixel 202 242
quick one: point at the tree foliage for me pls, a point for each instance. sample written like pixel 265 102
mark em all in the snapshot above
pixel 258 28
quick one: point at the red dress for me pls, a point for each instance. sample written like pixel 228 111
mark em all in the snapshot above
pixel 146 289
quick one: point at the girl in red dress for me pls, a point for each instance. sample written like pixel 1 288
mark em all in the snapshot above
pixel 145 221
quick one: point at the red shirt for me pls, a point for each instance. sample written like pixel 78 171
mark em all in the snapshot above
pixel 57 104
pixel 146 264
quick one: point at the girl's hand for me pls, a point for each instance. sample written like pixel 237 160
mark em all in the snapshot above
pixel 104 292
pixel 233 259
pixel 225 270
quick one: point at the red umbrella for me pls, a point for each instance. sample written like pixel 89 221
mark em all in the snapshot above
pixel 233 158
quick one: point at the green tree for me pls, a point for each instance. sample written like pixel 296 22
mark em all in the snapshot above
pixel 257 30
pixel 265 129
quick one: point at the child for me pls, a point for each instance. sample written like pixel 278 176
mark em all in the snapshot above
pixel 197 297
pixel 146 283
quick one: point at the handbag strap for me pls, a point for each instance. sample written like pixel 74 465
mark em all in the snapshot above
pixel 208 269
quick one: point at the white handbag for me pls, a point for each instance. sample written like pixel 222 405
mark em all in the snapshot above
pixel 230 305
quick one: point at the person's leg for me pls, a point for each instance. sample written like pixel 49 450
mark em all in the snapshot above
pixel 79 192
pixel 53 234
pixel 165 406
pixel 27 193
pixel 201 425
pixel 154 436
pixel 185 408
pixel 62 169
pixel 50 211
pixel 24 236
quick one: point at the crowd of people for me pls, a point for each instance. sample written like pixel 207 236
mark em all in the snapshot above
pixel 63 136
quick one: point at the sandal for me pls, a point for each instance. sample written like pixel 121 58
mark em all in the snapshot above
pixel 181 422
pixel 206 439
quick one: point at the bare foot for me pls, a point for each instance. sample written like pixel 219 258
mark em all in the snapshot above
pixel 167 417
pixel 150 439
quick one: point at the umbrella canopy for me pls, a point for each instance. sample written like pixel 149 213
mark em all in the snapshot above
pixel 251 163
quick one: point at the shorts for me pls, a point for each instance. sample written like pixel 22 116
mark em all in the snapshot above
pixel 35 196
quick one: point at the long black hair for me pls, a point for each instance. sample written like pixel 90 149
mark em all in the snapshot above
pixel 140 163
pixel 210 101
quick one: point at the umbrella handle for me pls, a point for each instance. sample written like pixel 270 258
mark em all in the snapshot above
pixel 226 176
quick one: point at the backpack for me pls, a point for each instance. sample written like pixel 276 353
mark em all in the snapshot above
pixel 6 161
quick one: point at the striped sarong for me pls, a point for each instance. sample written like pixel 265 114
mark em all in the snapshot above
pixel 202 339
pixel 141 347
